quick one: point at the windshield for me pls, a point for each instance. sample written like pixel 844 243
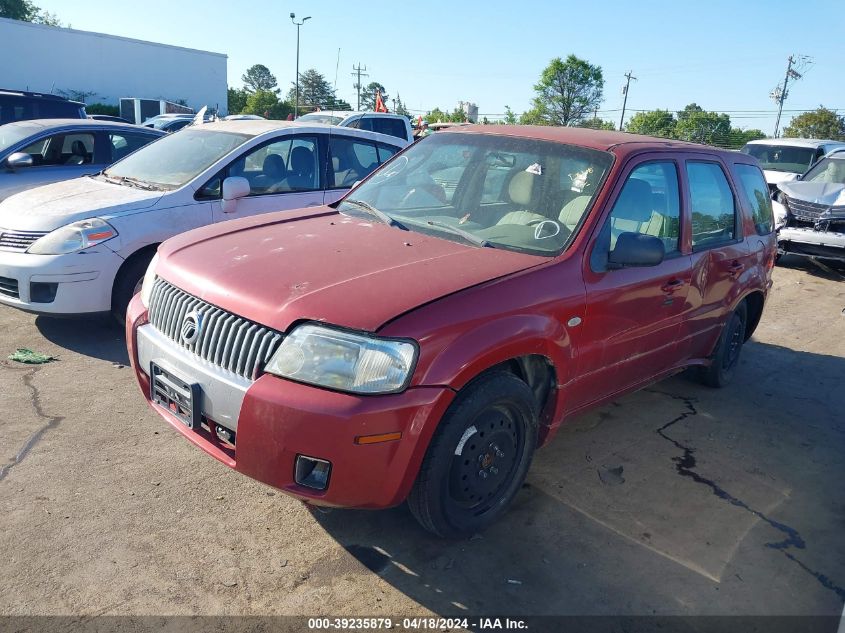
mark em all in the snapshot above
pixel 321 118
pixel 174 160
pixel 781 157
pixel 828 170
pixel 13 134
pixel 488 190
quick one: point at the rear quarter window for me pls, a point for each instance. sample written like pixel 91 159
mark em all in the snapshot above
pixel 752 186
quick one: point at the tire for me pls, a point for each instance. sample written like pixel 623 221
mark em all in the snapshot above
pixel 491 428
pixel 128 281
pixel 728 349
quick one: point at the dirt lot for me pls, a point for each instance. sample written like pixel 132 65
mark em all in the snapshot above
pixel 675 500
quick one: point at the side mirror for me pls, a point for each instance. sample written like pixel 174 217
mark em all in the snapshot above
pixel 636 249
pixel 19 160
pixel 234 188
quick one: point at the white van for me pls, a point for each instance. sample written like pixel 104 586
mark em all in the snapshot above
pixel 785 159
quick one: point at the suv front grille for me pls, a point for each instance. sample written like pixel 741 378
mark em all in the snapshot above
pixel 19 240
pixel 225 339
pixel 806 210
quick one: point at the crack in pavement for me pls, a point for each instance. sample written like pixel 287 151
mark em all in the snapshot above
pixel 52 422
pixel 685 465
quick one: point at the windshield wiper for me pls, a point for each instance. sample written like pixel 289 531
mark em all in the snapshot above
pixel 141 184
pixel 381 215
pixel 469 237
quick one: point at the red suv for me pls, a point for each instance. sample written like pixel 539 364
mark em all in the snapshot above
pixel 422 337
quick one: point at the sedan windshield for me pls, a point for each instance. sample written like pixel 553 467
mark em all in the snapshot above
pixel 486 190
pixel 828 170
pixel 177 159
pixel 13 134
pixel 782 157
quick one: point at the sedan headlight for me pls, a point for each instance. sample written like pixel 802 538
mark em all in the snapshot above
pixel 343 360
pixel 149 280
pixel 74 237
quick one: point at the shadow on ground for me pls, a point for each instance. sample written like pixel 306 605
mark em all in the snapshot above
pixel 825 268
pixel 98 337
pixel 724 506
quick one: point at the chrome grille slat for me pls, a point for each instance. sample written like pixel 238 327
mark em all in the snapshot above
pixel 226 340
pixel 19 240
pixel 806 210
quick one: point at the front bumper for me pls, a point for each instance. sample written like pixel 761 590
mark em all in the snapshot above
pixel 82 282
pixel 278 419
pixel 812 243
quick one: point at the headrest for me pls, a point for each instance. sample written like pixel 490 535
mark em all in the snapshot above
pixel 520 188
pixel 301 159
pixel 274 166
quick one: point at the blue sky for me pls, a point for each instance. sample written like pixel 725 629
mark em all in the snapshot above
pixel 725 56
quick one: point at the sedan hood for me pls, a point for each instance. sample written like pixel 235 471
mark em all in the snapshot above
pixel 280 268
pixel 831 194
pixel 51 206
pixel 774 177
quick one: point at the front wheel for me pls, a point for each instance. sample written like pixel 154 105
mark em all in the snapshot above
pixel 127 284
pixel 726 356
pixel 478 458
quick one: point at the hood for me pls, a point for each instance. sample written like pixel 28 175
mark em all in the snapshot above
pixel 827 193
pixel 51 206
pixel 774 177
pixel 281 268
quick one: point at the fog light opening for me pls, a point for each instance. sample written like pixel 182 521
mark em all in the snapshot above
pixel 312 472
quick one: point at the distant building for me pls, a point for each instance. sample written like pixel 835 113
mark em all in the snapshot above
pixel 66 61
pixel 470 110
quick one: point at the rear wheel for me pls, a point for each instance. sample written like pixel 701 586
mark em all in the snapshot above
pixel 726 356
pixel 127 284
pixel 478 458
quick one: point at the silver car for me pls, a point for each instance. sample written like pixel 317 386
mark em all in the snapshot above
pixel 38 152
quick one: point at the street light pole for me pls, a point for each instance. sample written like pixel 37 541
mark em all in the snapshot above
pixel 298 24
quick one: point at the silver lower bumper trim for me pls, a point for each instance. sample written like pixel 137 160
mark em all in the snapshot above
pixel 222 391
pixel 809 236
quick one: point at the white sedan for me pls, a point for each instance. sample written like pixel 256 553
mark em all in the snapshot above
pixel 82 246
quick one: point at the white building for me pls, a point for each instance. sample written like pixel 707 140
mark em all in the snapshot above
pixel 470 110
pixel 50 59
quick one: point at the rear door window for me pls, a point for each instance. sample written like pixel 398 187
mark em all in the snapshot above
pixel 386 125
pixel 712 205
pixel 351 160
pixel 753 186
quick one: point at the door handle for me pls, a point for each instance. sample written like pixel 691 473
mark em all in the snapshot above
pixel 734 269
pixel 672 285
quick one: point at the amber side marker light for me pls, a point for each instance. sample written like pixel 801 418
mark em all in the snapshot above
pixel 378 439
pixel 100 236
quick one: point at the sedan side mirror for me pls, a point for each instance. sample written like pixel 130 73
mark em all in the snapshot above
pixel 636 249
pixel 19 160
pixel 234 188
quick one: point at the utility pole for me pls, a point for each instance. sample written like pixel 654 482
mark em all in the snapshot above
pixel 359 73
pixel 298 24
pixel 780 94
pixel 630 76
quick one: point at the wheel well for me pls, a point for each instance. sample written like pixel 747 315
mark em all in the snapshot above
pixel 754 310
pixel 147 251
pixel 538 373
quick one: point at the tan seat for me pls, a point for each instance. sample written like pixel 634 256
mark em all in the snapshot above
pixel 520 189
pixel 570 214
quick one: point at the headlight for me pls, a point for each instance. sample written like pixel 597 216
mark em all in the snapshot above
pixel 149 280
pixel 343 360
pixel 74 237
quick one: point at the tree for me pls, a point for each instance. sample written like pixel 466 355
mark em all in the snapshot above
pixel 568 91
pixel 236 100
pixel 316 92
pixel 258 77
pixel 698 126
pixel 740 137
pixel 439 116
pixel 368 95
pixel 597 124
pixel 26 11
pixel 510 117
pixel 821 123
pixel 653 123
pixel 265 103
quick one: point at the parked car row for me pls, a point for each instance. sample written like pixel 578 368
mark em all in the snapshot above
pixel 420 336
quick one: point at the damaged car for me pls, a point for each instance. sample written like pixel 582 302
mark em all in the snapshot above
pixel 810 212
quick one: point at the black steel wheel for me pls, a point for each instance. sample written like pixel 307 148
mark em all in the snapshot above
pixel 728 349
pixel 478 458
